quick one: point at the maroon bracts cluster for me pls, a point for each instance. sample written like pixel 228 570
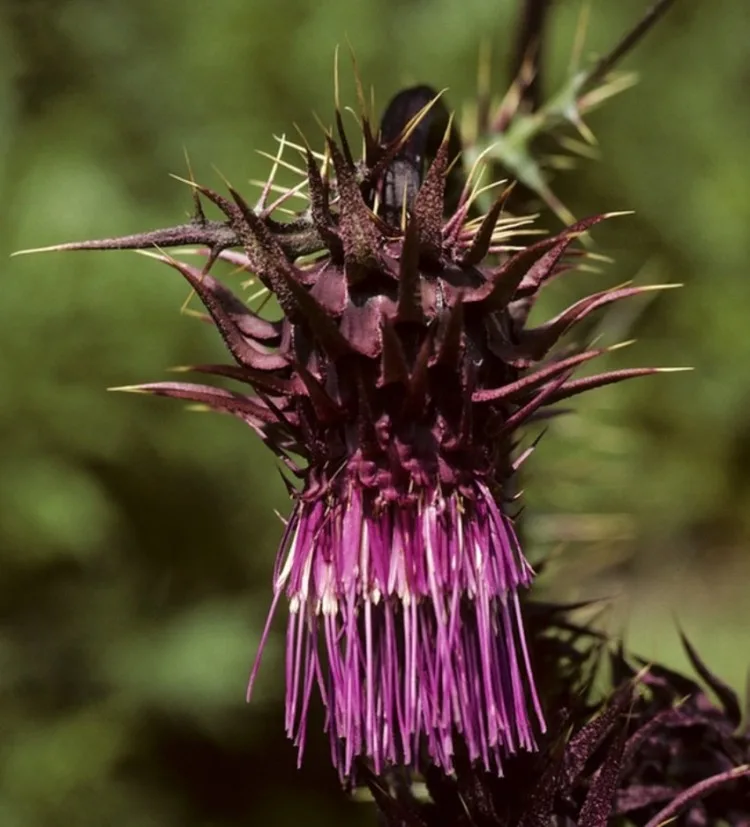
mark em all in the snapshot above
pixel 400 370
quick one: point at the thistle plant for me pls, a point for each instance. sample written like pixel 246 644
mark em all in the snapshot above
pixel 392 385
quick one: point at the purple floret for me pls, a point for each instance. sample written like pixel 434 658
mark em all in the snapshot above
pixel 406 617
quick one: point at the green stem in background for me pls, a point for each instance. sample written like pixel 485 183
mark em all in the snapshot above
pixel 508 138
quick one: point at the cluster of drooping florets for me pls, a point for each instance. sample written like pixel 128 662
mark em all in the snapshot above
pixel 400 370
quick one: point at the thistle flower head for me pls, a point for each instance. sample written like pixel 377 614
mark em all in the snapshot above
pixel 400 369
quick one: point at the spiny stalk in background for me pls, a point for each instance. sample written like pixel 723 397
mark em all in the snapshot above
pixel 508 132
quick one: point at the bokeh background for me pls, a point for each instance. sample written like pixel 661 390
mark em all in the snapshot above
pixel 136 538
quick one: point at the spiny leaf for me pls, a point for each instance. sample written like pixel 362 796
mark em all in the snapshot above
pixel 234 321
pixel 697 792
pixel 585 742
pixel 212 234
pixel 394 368
pixel 450 336
pixel 504 282
pixel 320 209
pixel 535 342
pixel 325 408
pixel 600 380
pixel 535 378
pixel 357 230
pixel 480 245
pixel 600 799
pixel 530 408
pixel 409 308
pixel 217 399
pixel 542 269
pixel 266 381
pixel 429 205
pixel 723 691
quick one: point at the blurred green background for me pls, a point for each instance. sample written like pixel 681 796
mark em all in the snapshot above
pixel 136 539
